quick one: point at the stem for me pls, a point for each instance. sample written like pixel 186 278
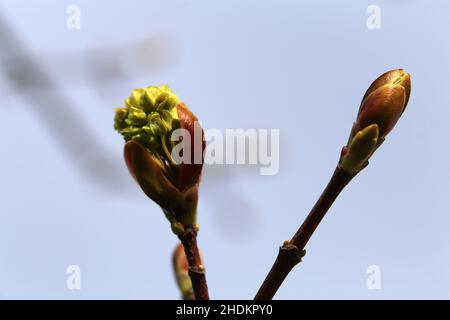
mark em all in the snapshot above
pixel 196 268
pixel 166 150
pixel 291 253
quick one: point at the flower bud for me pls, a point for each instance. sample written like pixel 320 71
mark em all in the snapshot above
pixel 384 102
pixel 381 107
pixel 181 270
pixel 397 76
pixel 149 115
pixel 146 123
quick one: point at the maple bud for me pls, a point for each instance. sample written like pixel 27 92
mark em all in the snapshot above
pixel 382 106
pixel 181 270
pixel 147 122
pixel 384 101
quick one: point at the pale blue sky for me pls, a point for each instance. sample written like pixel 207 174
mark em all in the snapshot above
pixel 298 66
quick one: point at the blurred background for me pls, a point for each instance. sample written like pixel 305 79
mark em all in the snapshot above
pixel 298 66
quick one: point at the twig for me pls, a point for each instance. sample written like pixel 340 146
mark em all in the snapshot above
pixel 196 268
pixel 291 253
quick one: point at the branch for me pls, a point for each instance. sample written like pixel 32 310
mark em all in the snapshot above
pixel 291 253
pixel 196 268
pixel 383 104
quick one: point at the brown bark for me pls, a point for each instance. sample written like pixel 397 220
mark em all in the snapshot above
pixel 291 253
pixel 196 269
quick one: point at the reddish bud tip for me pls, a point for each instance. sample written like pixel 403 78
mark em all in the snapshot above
pixel 385 101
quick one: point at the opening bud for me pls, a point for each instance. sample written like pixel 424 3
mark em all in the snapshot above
pixel 147 122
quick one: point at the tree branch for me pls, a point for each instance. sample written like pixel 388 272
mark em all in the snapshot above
pixel 196 269
pixel 291 253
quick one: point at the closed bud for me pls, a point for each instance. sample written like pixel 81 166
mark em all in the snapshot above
pixel 382 106
pixel 181 271
pixel 384 102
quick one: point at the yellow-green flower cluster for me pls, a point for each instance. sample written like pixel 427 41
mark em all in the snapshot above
pixel 149 115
